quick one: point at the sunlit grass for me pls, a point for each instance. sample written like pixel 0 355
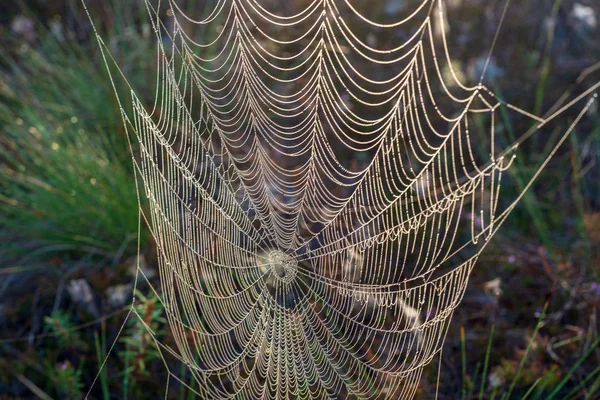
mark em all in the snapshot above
pixel 65 176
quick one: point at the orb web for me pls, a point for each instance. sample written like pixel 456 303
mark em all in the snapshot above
pixel 315 194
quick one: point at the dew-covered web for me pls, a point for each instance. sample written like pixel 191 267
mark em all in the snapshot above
pixel 316 196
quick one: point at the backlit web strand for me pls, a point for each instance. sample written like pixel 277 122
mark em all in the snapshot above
pixel 309 188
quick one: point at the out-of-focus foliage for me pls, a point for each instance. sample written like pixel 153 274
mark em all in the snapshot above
pixel 66 181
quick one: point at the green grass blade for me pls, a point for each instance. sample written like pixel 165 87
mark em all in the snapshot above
pixel 103 374
pixel 562 383
pixel 589 377
pixel 530 390
pixel 527 350
pixel 486 362
pixel 463 353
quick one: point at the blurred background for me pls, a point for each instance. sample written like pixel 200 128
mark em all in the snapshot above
pixel 528 324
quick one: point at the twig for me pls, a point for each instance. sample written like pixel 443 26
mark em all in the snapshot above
pixel 32 386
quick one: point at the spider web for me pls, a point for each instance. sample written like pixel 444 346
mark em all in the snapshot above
pixel 317 199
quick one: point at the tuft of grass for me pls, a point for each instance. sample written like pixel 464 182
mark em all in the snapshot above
pixel 526 354
pixel 65 176
pixel 547 386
